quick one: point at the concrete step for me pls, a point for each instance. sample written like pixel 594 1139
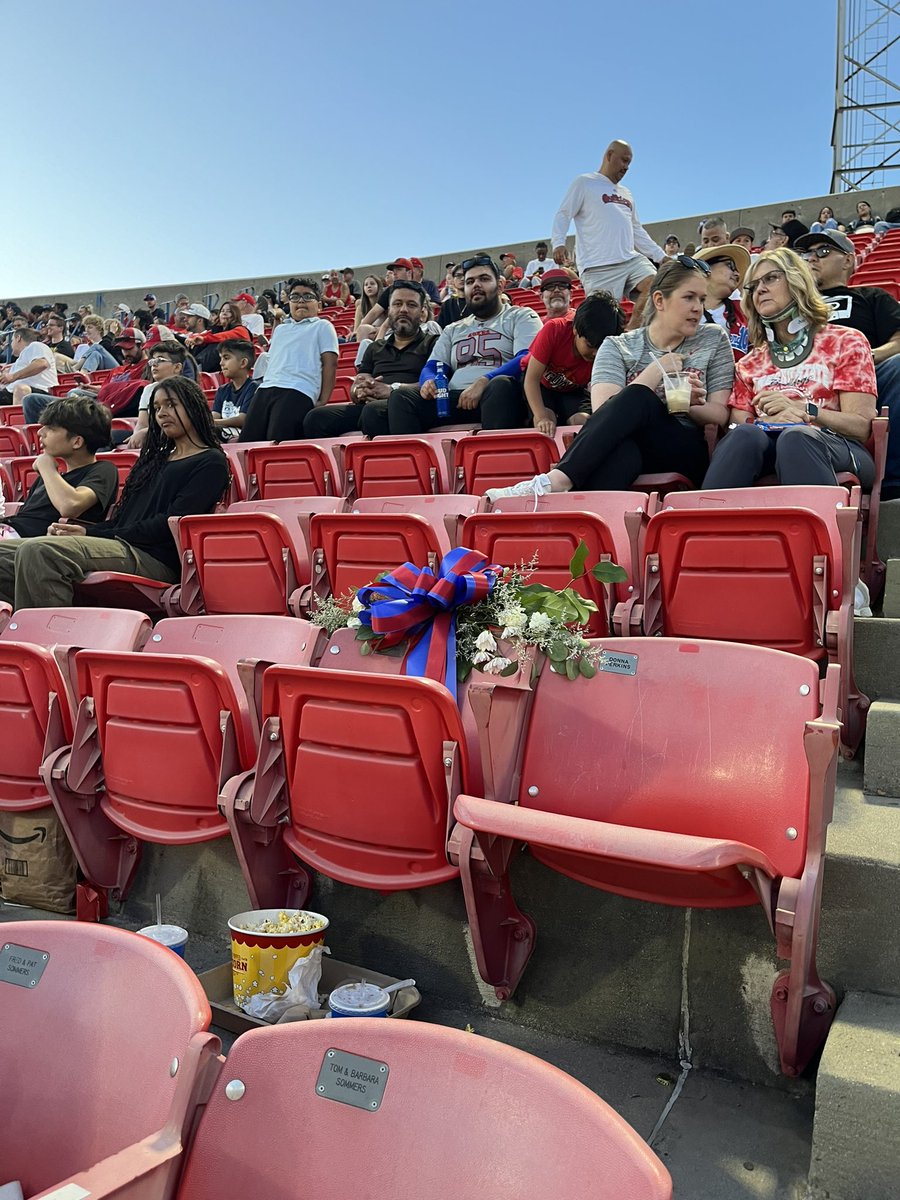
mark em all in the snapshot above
pixel 876 656
pixel 856 1136
pixel 891 602
pixel 882 762
pixel 889 530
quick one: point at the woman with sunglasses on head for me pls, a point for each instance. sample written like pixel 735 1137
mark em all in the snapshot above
pixel 804 397
pixel 631 430
pixel 727 267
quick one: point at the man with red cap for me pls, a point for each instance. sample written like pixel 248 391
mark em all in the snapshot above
pixel 418 272
pixel 250 318
pixel 511 272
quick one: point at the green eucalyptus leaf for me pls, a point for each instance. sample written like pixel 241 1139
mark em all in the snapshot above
pixel 587 669
pixel 578 559
pixel 558 652
pixel 365 647
pixel 571 668
pixel 609 572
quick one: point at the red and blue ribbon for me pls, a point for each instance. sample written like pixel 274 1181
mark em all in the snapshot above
pixel 413 604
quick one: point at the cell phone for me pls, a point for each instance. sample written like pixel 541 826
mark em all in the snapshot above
pixel 772 427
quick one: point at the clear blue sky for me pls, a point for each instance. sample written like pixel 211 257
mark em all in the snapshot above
pixel 210 139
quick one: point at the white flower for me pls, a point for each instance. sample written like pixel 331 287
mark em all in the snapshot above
pixel 482 657
pixel 356 606
pixel 485 641
pixel 496 665
pixel 513 618
pixel 540 623
pixel 353 622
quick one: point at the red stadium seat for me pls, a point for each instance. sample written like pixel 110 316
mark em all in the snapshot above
pixel 254 558
pixel 688 794
pixel 349 550
pixel 122 460
pixel 23 473
pixel 36 693
pixel 495 459
pixel 505 1106
pixel 444 513
pixel 12 414
pixel 13 442
pixel 118 589
pixel 146 1032
pixel 291 469
pixel 401 466
pixel 158 732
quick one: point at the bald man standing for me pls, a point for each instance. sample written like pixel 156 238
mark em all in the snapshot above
pixel 612 248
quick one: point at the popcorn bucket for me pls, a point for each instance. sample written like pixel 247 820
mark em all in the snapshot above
pixel 260 961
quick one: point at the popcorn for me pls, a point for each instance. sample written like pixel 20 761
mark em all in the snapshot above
pixel 299 922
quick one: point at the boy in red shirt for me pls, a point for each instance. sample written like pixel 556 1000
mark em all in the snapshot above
pixel 556 369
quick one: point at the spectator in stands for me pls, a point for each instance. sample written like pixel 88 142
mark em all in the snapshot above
pixel 123 313
pixel 55 336
pixel 789 214
pixel 164 363
pixel 418 276
pixel 537 266
pixel 204 342
pixel 142 319
pixel 233 398
pixel 348 276
pixel 631 429
pixel 34 369
pixel 743 236
pixel 613 249
pixel 557 368
pixel 36 315
pixel 493 334
pixel 714 232
pixel 74 428
pixel 556 293
pixel 122 390
pixel 153 308
pixel 400 268
pixel 813 379
pixel 831 258
pixel 181 471
pixel 671 246
pixel 398 358
pixel 447 281
pixel 865 219
pixel 776 239
pixel 20 322
pixel 454 306
pixel 250 318
pixel 727 267
pixel 300 370
pixel 336 294
pixel 826 220
pixel 371 289
pixel 891 221
pixel 510 271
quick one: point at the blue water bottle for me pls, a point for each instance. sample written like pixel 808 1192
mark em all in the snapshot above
pixel 442 392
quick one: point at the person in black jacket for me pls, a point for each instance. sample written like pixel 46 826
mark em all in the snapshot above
pixel 181 470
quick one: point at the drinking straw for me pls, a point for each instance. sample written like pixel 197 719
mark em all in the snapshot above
pixel 158 910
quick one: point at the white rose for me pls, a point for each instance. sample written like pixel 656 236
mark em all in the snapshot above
pixel 496 665
pixel 539 623
pixel 485 641
pixel 353 622
pixel 356 606
pixel 513 618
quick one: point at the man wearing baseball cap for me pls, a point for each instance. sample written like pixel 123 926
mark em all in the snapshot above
pixel 122 390
pixel 831 256
pixel 402 269
pixel 418 275
pixel 250 318
pixel 556 293
pixel 153 306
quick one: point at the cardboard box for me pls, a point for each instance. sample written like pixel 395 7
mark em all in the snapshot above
pixel 217 984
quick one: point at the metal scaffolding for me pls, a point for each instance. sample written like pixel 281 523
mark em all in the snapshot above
pixel 866 130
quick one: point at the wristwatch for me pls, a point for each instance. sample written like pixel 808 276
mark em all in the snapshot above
pixel 812 410
pixel 394 386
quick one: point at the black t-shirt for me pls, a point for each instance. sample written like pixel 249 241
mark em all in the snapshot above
pixel 395 365
pixel 65 348
pixel 38 512
pixel 453 309
pixel 871 310
pixel 208 357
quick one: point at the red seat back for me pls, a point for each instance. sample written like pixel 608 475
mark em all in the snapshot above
pixel 491 460
pixel 444 513
pixel 364 765
pixel 354 548
pixel 290 469
pixel 742 575
pixel 506 1107
pixel 109 1007
pixel 394 467
pixel 686 744
pixel 123 461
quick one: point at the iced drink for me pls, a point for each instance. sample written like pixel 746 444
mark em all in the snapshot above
pixel 678 392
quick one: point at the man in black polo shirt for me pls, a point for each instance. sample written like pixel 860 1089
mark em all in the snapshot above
pixel 874 312
pixel 393 360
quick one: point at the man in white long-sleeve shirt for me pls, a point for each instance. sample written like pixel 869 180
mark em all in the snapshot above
pixel 612 247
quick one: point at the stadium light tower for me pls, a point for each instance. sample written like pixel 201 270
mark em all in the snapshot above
pixel 866 130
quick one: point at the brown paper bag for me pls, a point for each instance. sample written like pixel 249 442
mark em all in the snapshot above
pixel 37 866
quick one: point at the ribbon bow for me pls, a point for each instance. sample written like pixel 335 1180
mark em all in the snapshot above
pixel 411 603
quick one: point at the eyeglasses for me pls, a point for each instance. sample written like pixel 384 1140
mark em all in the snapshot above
pixel 556 286
pixel 768 280
pixel 817 252
pixel 302 297
pixel 694 264
pixel 159 362
pixel 479 260
pixel 724 259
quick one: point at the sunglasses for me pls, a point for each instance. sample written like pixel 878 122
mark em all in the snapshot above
pixel 818 252
pixel 479 260
pixel 693 264
pixel 711 262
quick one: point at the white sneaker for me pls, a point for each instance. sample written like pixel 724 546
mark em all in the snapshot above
pixel 538 485
pixel 862 601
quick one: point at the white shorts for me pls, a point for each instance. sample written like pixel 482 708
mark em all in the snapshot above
pixel 618 278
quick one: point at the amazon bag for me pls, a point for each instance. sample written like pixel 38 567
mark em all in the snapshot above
pixel 37 866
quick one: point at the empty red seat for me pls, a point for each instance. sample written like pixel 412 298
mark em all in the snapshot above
pixel 118 589
pixel 493 459
pixel 13 442
pixel 122 460
pixel 158 732
pixel 12 414
pixel 37 647
pixel 112 1028
pixel 395 467
pixel 23 473
pixel 349 550
pixel 291 469
pixel 445 513
pixel 688 793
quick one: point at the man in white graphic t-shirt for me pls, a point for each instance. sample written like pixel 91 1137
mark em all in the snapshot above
pixel 612 248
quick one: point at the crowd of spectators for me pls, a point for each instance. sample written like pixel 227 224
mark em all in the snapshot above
pixel 783 358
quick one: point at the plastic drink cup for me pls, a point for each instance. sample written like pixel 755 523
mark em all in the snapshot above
pixel 359 1000
pixel 678 392
pixel 172 936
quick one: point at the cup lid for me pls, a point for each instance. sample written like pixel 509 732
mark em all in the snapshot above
pixel 169 935
pixel 359 997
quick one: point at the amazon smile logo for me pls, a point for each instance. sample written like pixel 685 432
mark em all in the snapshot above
pixel 39 835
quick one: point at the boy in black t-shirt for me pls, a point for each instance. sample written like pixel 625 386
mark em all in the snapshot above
pixel 233 398
pixel 73 428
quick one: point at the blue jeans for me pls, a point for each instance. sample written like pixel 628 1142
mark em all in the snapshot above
pixel 98 358
pixel 887 375
pixel 33 405
pixel 884 226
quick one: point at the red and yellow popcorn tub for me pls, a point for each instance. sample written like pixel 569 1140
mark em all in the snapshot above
pixel 265 944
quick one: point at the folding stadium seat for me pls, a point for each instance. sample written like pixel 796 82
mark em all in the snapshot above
pixel 12 414
pixel 254 558
pixel 23 473
pixel 291 469
pixel 158 732
pixel 688 794
pixel 660 483
pixel 350 550
pixel 445 513
pixel 880 278
pixel 118 589
pixel 498 458
pixel 340 393
pixel 625 513
pixel 780 575
pixel 122 460
pixel 13 442
pixel 236 453
pixel 397 466
pixel 111 1030
pixel 873 568
pixel 37 647
pixel 508 1109
pixel 31 432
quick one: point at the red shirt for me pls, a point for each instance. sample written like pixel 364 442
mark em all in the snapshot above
pixel 554 346
pixel 837 363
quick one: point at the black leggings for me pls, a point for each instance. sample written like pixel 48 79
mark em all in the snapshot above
pixel 633 433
